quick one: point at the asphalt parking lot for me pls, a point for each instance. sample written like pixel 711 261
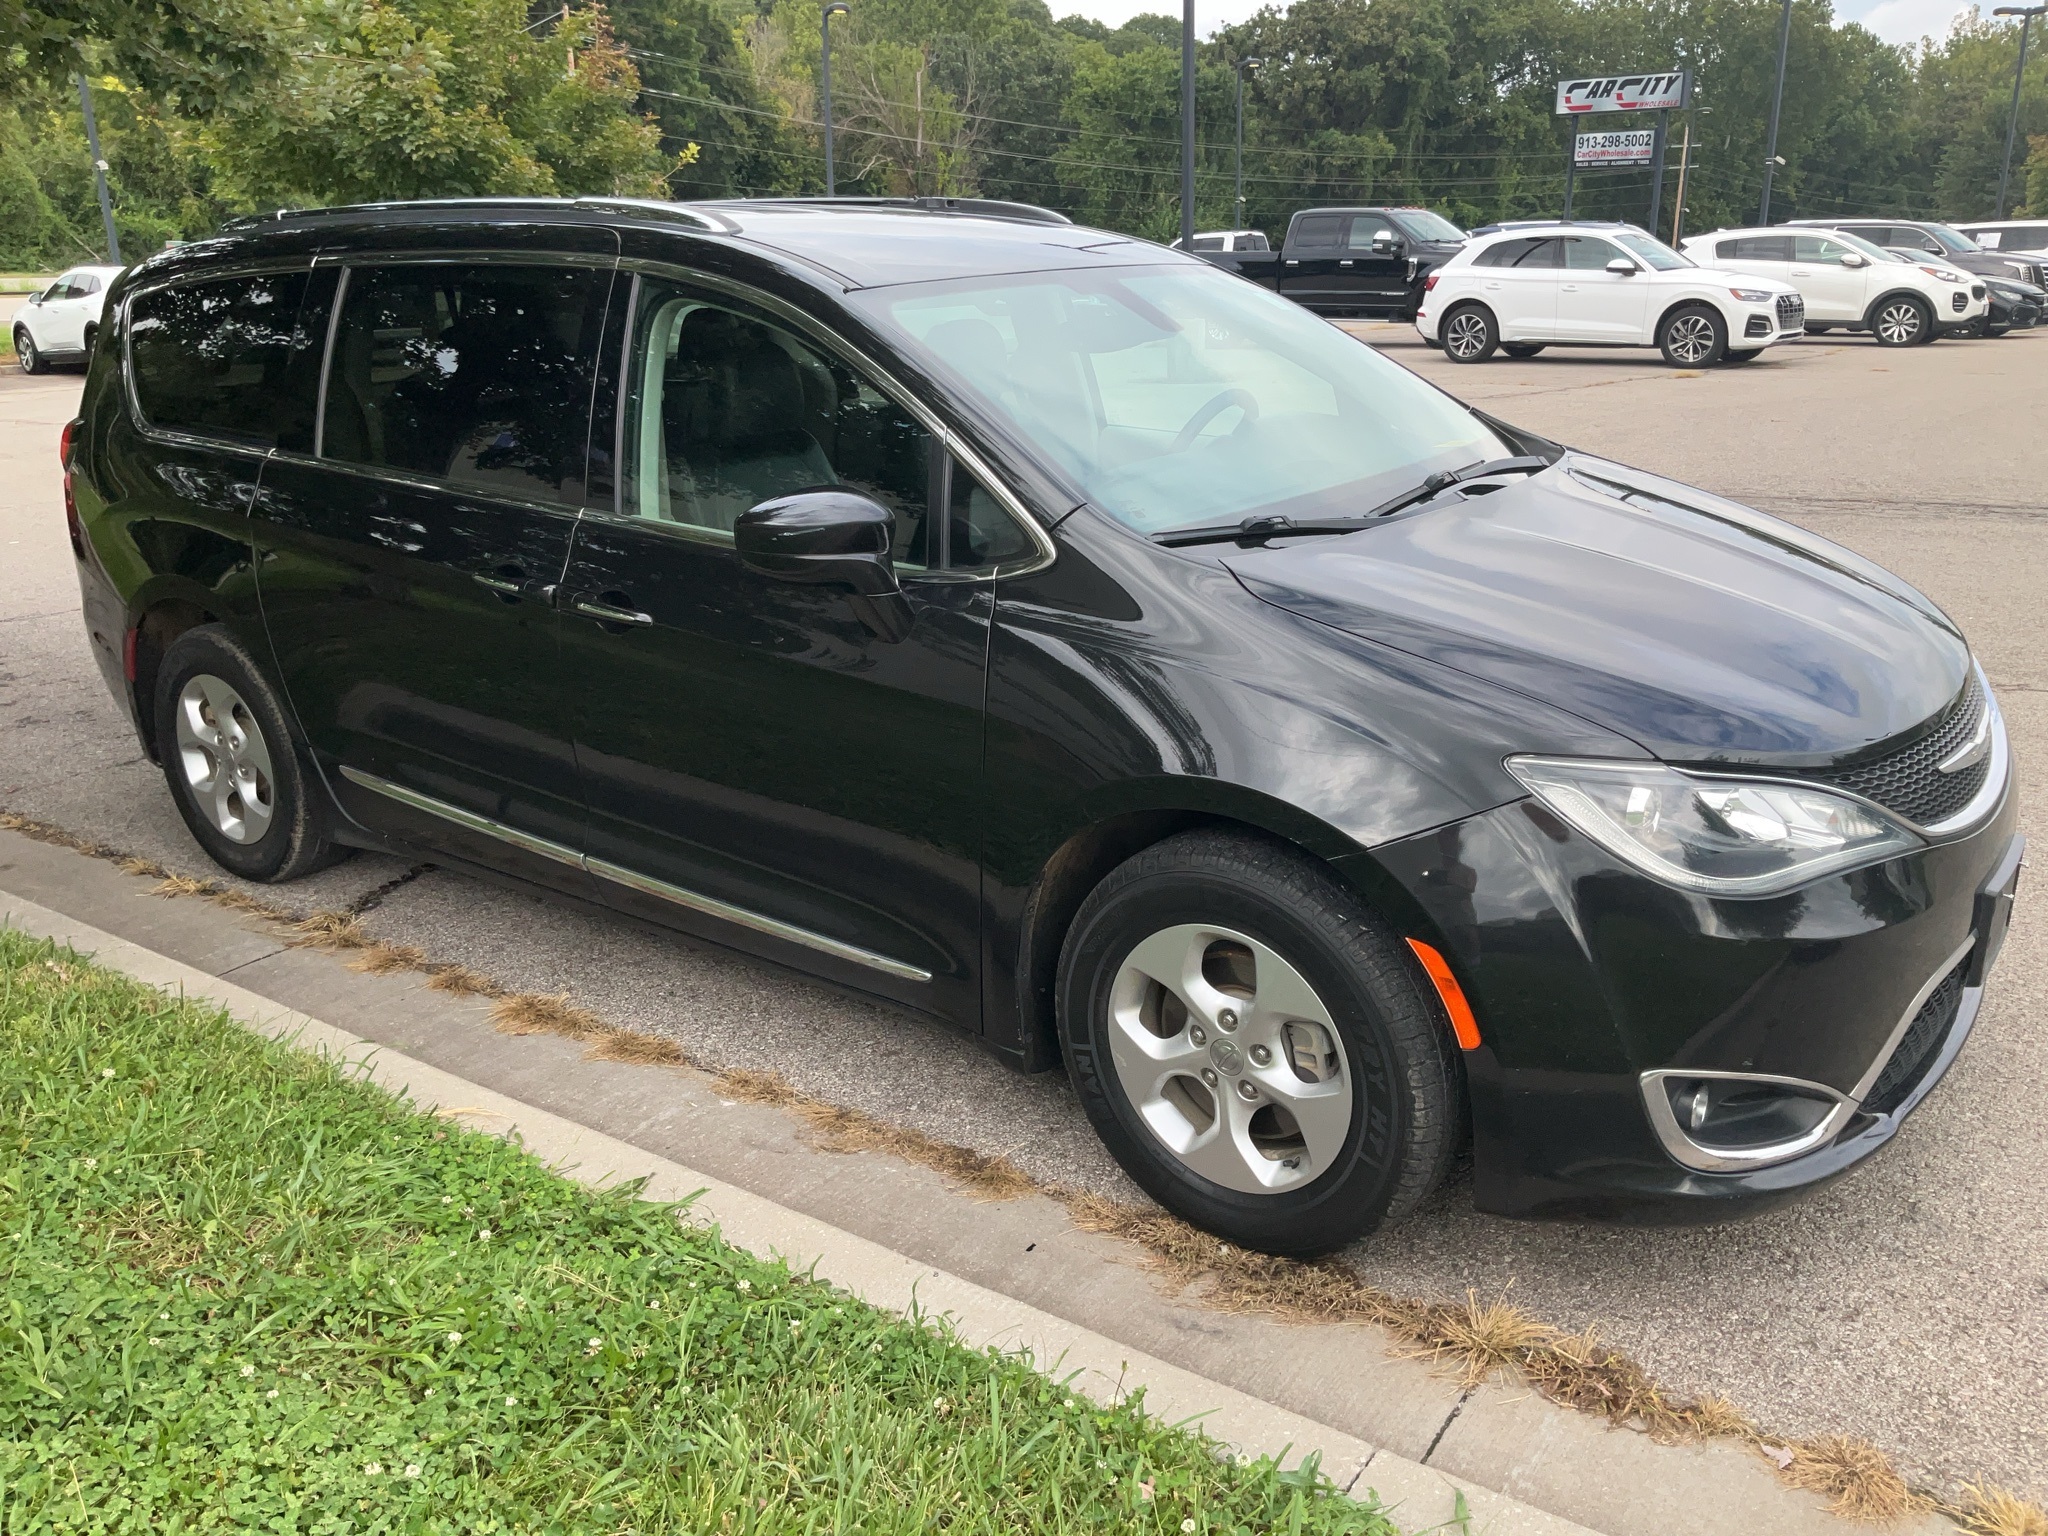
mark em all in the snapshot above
pixel 1908 1304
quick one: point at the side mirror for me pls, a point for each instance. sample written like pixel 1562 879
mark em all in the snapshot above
pixel 829 537
pixel 1385 244
pixel 1855 259
pixel 1621 266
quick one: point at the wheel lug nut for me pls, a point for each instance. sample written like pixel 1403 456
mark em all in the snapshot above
pixel 1247 1090
pixel 1209 1076
pixel 1199 1035
pixel 1227 1020
pixel 1262 1055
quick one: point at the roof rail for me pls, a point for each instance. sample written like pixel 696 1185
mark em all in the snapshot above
pixel 704 218
pixel 977 207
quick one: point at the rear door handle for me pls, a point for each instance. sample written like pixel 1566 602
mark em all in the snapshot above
pixel 606 613
pixel 1345 262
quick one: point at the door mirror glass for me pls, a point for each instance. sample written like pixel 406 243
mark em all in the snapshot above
pixel 828 537
pixel 1621 266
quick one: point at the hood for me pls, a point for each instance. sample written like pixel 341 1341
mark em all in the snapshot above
pixel 1702 630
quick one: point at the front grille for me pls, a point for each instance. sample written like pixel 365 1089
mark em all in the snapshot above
pixel 1907 782
pixel 1923 1037
pixel 1791 311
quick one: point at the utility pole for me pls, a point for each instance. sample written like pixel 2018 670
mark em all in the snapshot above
pixel 1771 161
pixel 2026 14
pixel 1187 125
pixel 99 168
pixel 572 46
pixel 1237 208
pixel 1657 171
pixel 836 8
pixel 1684 164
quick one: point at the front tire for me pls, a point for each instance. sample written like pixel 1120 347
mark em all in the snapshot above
pixel 1521 348
pixel 1902 322
pixel 1254 1045
pixel 232 764
pixel 1469 334
pixel 1693 336
pixel 25 348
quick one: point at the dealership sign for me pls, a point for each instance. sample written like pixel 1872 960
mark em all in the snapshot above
pixel 1625 93
pixel 1635 147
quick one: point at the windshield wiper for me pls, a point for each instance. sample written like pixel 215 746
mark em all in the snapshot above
pixel 1256 529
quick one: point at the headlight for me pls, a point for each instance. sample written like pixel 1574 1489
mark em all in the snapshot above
pixel 1944 274
pixel 1751 295
pixel 1718 836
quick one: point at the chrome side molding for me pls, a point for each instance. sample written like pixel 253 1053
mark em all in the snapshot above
pixel 632 879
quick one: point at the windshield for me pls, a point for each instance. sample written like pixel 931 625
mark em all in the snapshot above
pixel 1178 397
pixel 1950 241
pixel 1655 254
pixel 1869 248
pixel 1421 224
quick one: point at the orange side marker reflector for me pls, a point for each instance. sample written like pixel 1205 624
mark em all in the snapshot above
pixel 1463 1025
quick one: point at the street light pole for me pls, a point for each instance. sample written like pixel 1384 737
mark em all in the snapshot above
pixel 1187 125
pixel 1237 208
pixel 1763 215
pixel 2026 14
pixel 99 169
pixel 836 8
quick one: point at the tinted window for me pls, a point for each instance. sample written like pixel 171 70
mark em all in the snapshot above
pixel 1526 252
pixel 480 376
pixel 1818 248
pixel 86 284
pixel 1364 227
pixel 238 358
pixel 981 532
pixel 1541 253
pixel 1758 248
pixel 726 410
pixel 1253 243
pixel 1320 230
pixel 1584 255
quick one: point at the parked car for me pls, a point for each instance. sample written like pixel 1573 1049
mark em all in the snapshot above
pixel 1047 632
pixel 2026 238
pixel 1926 238
pixel 57 325
pixel 2014 306
pixel 1850 283
pixel 1228 240
pixel 1350 261
pixel 1599 285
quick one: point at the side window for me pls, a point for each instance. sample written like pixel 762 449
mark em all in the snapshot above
pixel 1208 242
pixel 1318 232
pixel 87 285
pixel 477 375
pixel 725 410
pixel 1585 255
pixel 1363 227
pixel 1541 253
pixel 1816 248
pixel 1989 238
pixel 237 358
pixel 1764 248
pixel 979 532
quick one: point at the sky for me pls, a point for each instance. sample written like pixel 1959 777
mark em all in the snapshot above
pixel 1896 21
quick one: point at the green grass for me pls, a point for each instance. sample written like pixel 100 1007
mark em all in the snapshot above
pixel 239 1291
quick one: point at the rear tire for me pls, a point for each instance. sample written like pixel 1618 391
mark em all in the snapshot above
pixel 1288 994
pixel 1693 336
pixel 1469 334
pixel 1521 348
pixel 233 766
pixel 1903 321
pixel 25 348
pixel 91 331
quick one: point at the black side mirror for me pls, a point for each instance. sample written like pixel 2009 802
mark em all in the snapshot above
pixel 829 537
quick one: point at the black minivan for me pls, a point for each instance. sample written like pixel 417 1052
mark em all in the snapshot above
pixel 1050 632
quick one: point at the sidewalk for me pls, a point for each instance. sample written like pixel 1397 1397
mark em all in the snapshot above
pixel 1016 1273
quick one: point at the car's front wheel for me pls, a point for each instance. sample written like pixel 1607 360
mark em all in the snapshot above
pixel 229 756
pixel 1693 336
pixel 1469 334
pixel 1254 1046
pixel 1902 322
pixel 25 348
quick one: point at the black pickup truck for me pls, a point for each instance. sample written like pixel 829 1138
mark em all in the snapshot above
pixel 1351 261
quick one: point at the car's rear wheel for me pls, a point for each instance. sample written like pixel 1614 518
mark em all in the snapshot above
pixel 1254 1046
pixel 91 331
pixel 25 348
pixel 1902 322
pixel 1693 336
pixel 233 767
pixel 1521 348
pixel 1469 334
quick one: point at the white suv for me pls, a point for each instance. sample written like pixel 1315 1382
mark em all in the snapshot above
pixel 1524 287
pixel 58 324
pixel 1849 282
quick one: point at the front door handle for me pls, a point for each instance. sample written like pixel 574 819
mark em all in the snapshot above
pixel 1345 262
pixel 607 613
pixel 502 585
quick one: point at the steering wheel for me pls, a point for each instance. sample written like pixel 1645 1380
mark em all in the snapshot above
pixel 1239 399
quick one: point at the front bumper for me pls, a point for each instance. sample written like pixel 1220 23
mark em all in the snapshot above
pixel 1588 979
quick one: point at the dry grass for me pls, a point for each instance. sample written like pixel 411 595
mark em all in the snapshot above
pixel 1475 1339
pixel 1855 1477
pixel 1994 1512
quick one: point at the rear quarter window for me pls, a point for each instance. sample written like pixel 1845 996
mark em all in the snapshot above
pixel 236 358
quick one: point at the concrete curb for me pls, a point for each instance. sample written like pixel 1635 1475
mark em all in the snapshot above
pixel 1422 1498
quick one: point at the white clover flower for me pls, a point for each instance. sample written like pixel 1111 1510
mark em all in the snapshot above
pixel 163 1317
pixel 271 1393
pixel 484 1236
pixel 795 1326
pixel 106 1071
pixel 372 1468
pixel 1187 1525
pixel 447 1199
pixel 654 1306
pixel 91 1162
pixel 875 1348
pixel 593 1346
pixel 429 1392
pixel 248 1370
pixel 412 1469
pixel 511 1402
pixel 745 1285
pixel 454 1338
pixel 154 1342
pixel 941 1407
pixel 469 1210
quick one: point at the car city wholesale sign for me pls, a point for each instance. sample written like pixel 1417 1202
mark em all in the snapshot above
pixel 1624 93
pixel 1637 146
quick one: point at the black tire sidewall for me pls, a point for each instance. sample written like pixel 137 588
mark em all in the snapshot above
pixel 292 844
pixel 1713 315
pixel 1925 333
pixel 1348 1200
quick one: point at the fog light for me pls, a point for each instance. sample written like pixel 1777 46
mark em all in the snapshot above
pixel 1728 1121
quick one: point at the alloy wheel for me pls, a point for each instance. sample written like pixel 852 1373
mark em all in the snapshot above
pixel 25 350
pixel 1465 336
pixel 224 758
pixel 1691 338
pixel 1898 324
pixel 1230 1058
